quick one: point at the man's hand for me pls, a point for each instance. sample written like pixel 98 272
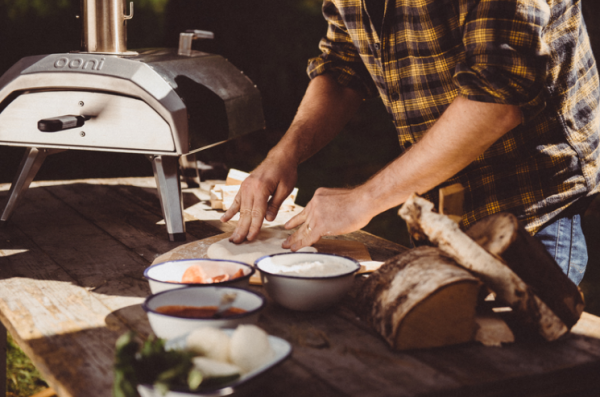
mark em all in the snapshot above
pixel 329 213
pixel 325 109
pixel 273 177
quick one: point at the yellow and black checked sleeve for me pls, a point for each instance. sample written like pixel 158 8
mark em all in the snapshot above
pixel 339 55
pixel 506 58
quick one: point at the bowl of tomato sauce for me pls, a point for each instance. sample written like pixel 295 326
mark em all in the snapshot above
pixel 202 271
pixel 179 311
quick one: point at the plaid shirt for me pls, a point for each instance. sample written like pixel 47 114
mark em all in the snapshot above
pixel 531 53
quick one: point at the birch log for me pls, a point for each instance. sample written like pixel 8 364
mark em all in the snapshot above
pixel 502 235
pixel 419 299
pixel 532 313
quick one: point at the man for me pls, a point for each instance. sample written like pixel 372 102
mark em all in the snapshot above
pixel 499 95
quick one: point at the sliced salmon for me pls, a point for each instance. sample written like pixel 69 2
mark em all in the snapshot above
pixel 220 278
pixel 194 275
pixel 239 273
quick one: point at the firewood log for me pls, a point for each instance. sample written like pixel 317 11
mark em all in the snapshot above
pixel 532 313
pixel 492 330
pixel 502 235
pixel 420 299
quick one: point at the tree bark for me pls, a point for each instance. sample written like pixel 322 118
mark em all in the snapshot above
pixel 532 313
pixel 420 299
pixel 502 235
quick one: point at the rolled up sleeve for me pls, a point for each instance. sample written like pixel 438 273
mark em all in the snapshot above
pixel 340 57
pixel 506 57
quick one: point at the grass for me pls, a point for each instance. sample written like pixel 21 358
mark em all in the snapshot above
pixel 22 378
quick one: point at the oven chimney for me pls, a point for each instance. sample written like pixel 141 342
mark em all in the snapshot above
pixel 105 26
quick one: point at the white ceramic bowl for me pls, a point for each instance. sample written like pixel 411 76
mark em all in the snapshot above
pixel 165 276
pixel 168 326
pixel 307 292
pixel 247 385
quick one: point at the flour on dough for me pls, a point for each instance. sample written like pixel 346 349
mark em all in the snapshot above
pixel 268 242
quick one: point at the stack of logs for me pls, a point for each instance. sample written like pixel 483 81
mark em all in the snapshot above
pixel 432 295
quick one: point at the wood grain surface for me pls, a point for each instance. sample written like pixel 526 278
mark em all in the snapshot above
pixel 71 281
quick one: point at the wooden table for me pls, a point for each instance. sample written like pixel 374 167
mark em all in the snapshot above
pixel 71 264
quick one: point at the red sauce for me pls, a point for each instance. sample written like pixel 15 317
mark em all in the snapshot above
pixel 197 311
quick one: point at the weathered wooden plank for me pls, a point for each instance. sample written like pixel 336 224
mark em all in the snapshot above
pixel 142 193
pixel 84 251
pixel 50 352
pixel 291 380
pixel 53 320
pixel 380 249
pixel 588 325
pixel 352 361
pixel 71 282
pixel 527 368
pixel 101 264
pixel 147 198
pixel 196 205
pixel 119 217
pixel 109 279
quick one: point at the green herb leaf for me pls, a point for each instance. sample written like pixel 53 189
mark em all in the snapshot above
pixel 195 378
pixel 150 363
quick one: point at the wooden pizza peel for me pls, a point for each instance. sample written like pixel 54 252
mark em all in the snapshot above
pixel 350 248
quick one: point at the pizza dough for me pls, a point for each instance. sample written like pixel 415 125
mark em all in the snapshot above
pixel 268 242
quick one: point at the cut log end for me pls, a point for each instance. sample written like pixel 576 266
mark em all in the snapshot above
pixel 420 299
pixel 446 317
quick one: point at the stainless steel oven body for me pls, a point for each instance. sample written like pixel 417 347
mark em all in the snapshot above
pixel 163 103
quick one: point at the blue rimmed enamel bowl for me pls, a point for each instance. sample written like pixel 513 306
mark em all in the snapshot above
pixel 167 275
pixel 307 281
pixel 168 326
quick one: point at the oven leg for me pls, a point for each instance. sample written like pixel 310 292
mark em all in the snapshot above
pixel 166 173
pixel 30 165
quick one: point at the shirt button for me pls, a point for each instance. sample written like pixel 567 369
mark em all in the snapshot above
pixel 395 96
pixel 377 46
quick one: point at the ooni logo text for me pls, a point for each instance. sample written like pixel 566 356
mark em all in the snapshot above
pixel 79 63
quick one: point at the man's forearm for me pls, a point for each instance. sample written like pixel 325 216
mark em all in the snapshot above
pixel 463 133
pixel 325 109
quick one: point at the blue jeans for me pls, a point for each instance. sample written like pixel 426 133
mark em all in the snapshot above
pixel 564 240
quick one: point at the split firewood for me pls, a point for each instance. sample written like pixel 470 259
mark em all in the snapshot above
pixel 420 299
pixel 216 197
pixel 451 199
pixel 492 330
pixel 534 315
pixel 235 177
pixel 502 235
pixel 222 195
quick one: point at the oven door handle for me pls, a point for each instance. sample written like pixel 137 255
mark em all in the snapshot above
pixel 61 123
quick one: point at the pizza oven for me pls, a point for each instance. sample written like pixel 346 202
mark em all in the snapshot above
pixel 162 103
